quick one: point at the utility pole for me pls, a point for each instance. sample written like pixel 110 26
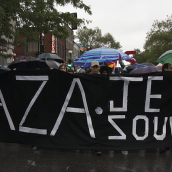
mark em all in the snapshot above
pixel 41 44
pixel 25 46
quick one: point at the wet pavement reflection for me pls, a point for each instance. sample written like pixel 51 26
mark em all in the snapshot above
pixel 21 158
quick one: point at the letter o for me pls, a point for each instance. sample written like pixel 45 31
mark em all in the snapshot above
pixel 146 127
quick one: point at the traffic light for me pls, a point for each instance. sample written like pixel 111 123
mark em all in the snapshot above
pixel 70 64
pixel 74 27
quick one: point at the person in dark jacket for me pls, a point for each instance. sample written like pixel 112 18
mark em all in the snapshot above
pixel 70 71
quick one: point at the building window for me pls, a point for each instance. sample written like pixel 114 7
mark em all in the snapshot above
pixel 32 46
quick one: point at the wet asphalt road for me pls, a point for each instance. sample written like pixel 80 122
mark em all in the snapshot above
pixel 21 158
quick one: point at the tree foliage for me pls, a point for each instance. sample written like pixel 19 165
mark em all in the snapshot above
pixel 158 39
pixel 92 38
pixel 35 16
pixel 140 56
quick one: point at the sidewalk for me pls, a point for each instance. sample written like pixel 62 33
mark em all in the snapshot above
pixel 21 158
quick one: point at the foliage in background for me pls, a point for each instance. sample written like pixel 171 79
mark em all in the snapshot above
pixel 92 38
pixel 35 16
pixel 158 40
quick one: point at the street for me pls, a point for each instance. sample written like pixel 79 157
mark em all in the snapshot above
pixel 21 158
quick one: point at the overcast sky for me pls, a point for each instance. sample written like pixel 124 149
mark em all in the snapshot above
pixel 127 20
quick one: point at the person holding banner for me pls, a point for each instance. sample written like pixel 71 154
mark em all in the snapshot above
pixel 95 67
pixel 70 71
pixel 167 67
pixel 62 67
pixel 104 72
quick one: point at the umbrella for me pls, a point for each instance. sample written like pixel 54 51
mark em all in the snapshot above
pixel 6 65
pixel 28 62
pixel 135 66
pixel 147 64
pixel 165 58
pixel 52 64
pixel 147 69
pixel 4 69
pixel 50 56
pixel 102 55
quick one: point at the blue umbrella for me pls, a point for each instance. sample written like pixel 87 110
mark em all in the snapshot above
pixel 101 55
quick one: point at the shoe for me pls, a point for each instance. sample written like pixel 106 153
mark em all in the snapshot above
pixel 97 152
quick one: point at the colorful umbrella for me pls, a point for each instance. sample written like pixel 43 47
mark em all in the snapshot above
pixel 165 58
pixel 102 55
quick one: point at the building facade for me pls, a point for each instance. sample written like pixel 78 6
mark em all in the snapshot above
pixel 76 50
pixel 51 44
pixel 69 44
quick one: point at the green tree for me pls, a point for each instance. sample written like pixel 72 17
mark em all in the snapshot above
pixel 140 56
pixel 158 39
pixel 109 41
pixel 89 38
pixel 35 16
pixel 92 38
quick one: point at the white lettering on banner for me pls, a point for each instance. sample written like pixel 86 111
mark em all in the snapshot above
pixel 3 104
pixel 110 119
pixel 170 124
pixel 148 94
pixel 125 91
pixel 135 127
pixel 163 135
pixel 76 110
pixel 32 78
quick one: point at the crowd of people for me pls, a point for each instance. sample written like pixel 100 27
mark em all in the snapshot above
pixel 93 69
pixel 104 70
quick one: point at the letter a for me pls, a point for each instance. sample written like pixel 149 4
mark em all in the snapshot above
pixel 76 110
pixel 6 112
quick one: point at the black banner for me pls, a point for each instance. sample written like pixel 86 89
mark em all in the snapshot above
pixel 51 108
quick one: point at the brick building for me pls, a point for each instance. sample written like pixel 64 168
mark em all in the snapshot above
pixel 69 44
pixel 61 48
pixel 52 44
